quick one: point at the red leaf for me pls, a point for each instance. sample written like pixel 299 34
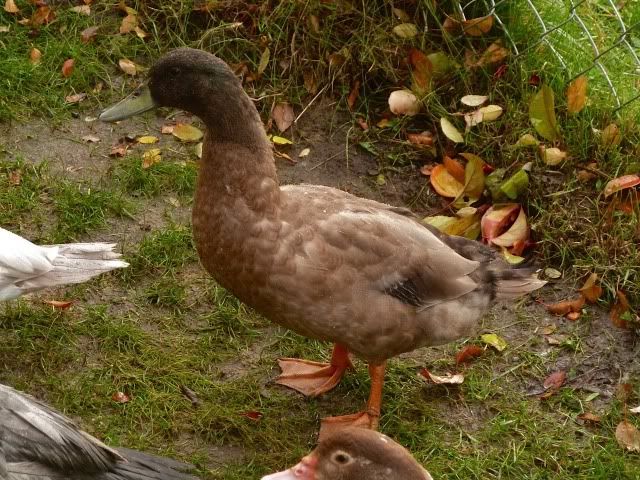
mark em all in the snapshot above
pixel 120 397
pixel 253 415
pixel 67 67
pixel 468 353
pixel 621 183
pixel 497 220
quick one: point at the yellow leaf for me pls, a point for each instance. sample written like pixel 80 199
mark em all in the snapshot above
pixel 405 30
pixel 473 100
pixel 264 61
pixel 187 132
pixel 490 112
pixel 151 157
pixel 450 131
pixel 444 183
pixel 147 139
pixel 127 66
pixel 577 94
pixel 542 113
pixel 527 140
pixel 495 341
pixel 611 135
pixel 511 258
pixel 473 176
pixel 552 156
pixel 280 140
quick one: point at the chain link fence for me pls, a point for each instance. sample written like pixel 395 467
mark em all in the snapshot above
pixel 597 38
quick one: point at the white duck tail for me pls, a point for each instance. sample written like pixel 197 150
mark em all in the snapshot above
pixel 25 267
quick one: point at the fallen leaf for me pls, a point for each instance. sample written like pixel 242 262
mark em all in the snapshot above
pixel 15 177
pixel 167 129
pixel 621 183
pixel 552 273
pixel 362 123
pixel 304 152
pixel 400 14
pixel 527 140
pixel 450 131
pixel 4 28
pixel 310 82
pixel 511 258
pixel 473 100
pixel 187 132
pixel 584 175
pixel 81 9
pixel 590 417
pixel 448 379
pixel 67 67
pixel 282 114
pixel 405 30
pixel 460 226
pixel 119 150
pixel 577 94
pixel 555 380
pixel 476 27
pixel 75 98
pixel 495 53
pixel 421 73
pixel 120 397
pixel 497 219
pixel 552 156
pixel 468 354
pixel 566 306
pixel 59 304
pixel 127 66
pixel 353 95
pixel 35 56
pixel 11 7
pixel 151 157
pixel 427 169
pixel 573 316
pixel 516 185
pixel 191 396
pixel 542 113
pixel 90 139
pixel 264 61
pixel 611 136
pixel 404 102
pixel 628 436
pixel 494 340
pixel 444 183
pixel 42 16
pixel 490 112
pixel 518 231
pixel 129 23
pixel 280 140
pixel 88 34
pixel 471 119
pixel 147 139
pixel 198 150
pixel 252 415
pixel 620 307
pixel 635 410
pixel 591 291
pixel 424 139
pixel 473 176
pixel 455 168
pixel 549 329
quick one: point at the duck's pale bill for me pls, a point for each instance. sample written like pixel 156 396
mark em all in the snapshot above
pixel 139 101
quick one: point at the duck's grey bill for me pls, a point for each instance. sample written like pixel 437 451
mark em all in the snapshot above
pixel 138 102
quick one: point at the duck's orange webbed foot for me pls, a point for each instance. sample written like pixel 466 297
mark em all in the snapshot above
pixel 367 419
pixel 314 378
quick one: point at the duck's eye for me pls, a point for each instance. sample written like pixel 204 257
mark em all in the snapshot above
pixel 175 71
pixel 341 458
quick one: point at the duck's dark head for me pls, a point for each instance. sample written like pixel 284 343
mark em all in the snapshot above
pixel 185 78
pixel 355 454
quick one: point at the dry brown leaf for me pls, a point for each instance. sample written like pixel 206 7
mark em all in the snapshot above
pixel 151 157
pixel 67 67
pixel 577 94
pixel 353 94
pixel 283 115
pixel 424 139
pixel 448 379
pixel 81 9
pixel 555 380
pixel 119 150
pixel 11 7
pixel 88 34
pixel 628 436
pixel 129 23
pixel 120 397
pixel 42 16
pixel 495 53
pixel 590 417
pixel 476 27
pixel 468 354
pixel 35 56
pixel 611 135
pixel 75 98
pixel 591 291
pixel 566 306
pixel 620 307
pixel 127 66
pixel 15 177
pixel 59 304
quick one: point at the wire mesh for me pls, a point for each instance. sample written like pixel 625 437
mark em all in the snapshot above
pixel 586 37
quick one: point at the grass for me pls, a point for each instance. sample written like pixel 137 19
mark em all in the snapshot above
pixel 162 324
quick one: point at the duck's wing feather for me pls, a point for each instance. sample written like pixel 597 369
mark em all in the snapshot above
pixel 397 254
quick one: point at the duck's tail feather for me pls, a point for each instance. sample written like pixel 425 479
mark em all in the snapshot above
pixel 142 466
pixel 515 282
pixel 77 263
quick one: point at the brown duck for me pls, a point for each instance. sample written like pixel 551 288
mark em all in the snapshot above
pixel 355 454
pixel 328 265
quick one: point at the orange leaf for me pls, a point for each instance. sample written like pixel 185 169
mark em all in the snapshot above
pixel 628 436
pixel 59 304
pixel 421 72
pixel 455 168
pixel 476 27
pixel 424 139
pixel 621 183
pixel 129 23
pixel 590 417
pixel 591 291
pixel 566 306
pixel 35 56
pixel 67 67
pixel 468 353
pixel 573 316
pixel 444 183
pixel 577 94
pixel 42 16
pixel 619 308
pixel 353 95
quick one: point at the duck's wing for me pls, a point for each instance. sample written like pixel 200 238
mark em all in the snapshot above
pixel 395 253
pixel 36 442
pixel 21 260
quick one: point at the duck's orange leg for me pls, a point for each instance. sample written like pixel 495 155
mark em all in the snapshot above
pixel 314 378
pixel 367 419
